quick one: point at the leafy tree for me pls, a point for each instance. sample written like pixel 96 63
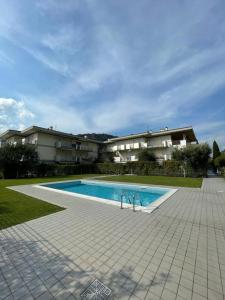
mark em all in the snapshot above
pixel 195 156
pixel 146 155
pixel 17 160
pixel 216 150
pixel 220 161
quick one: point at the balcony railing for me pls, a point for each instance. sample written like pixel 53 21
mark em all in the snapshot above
pixel 66 146
pixel 71 146
pixel 148 145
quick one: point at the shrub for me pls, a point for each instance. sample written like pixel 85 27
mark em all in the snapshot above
pixel 195 157
pixel 146 155
pixel 44 169
pixel 220 161
pixel 168 168
pixel 17 160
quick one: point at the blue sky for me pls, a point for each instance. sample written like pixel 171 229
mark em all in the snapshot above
pixel 113 66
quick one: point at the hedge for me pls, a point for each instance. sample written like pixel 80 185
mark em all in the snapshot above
pixel 168 168
pixel 43 169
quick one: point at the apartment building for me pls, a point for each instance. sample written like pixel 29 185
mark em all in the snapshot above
pixel 57 146
pixel 54 146
pixel 161 143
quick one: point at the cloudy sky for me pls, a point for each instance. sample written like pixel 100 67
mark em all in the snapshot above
pixel 115 66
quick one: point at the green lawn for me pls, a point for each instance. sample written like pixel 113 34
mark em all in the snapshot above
pixel 17 208
pixel 158 180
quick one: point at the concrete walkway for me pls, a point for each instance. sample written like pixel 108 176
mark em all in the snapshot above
pixel 177 252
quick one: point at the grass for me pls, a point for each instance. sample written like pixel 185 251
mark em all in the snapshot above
pixel 157 180
pixel 16 208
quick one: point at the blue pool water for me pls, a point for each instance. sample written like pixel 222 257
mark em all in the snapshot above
pixel 143 195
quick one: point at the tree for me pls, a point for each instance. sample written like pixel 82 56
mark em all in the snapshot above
pixel 220 161
pixel 17 160
pixel 146 155
pixel 216 150
pixel 195 156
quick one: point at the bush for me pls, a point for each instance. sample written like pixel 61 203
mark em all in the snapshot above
pixel 195 157
pixel 44 169
pixel 17 160
pixel 220 161
pixel 168 168
pixel 146 155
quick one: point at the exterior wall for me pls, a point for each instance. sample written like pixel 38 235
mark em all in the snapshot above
pixel 63 149
pixel 159 141
pixel 45 146
pixel 46 153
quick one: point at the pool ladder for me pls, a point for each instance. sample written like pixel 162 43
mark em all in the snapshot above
pixel 131 199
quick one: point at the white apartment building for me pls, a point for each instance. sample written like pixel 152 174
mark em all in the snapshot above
pixel 161 143
pixel 57 146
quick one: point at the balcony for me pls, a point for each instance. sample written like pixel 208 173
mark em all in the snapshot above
pixel 29 142
pixel 125 147
pixel 63 146
pixel 72 146
pixel 179 144
pixel 149 145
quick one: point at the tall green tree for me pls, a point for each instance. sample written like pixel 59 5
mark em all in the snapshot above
pixel 216 150
pixel 17 160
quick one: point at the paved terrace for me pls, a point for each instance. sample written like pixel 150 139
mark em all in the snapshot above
pixel 177 252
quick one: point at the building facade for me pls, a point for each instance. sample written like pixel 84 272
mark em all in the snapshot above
pixel 56 146
pixel 161 143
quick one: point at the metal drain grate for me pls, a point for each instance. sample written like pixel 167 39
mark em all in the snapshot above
pixel 97 291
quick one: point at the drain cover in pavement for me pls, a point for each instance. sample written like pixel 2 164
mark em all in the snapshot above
pixel 96 291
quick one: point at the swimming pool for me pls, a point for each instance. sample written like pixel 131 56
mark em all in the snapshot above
pixel 145 197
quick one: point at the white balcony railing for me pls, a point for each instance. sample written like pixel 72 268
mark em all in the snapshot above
pixel 148 145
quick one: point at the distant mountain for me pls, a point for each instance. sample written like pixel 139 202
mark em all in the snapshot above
pixel 97 136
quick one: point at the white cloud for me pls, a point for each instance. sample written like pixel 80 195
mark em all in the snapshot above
pixel 61 67
pixel 67 40
pixel 13 114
